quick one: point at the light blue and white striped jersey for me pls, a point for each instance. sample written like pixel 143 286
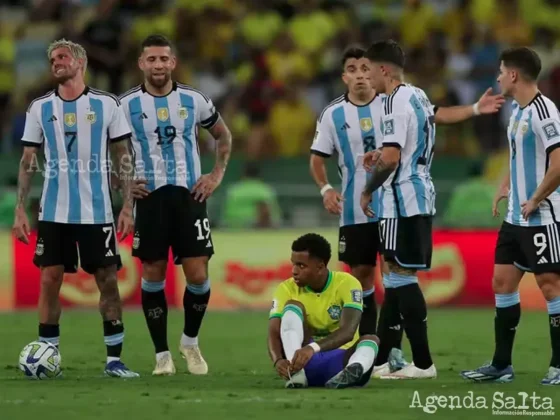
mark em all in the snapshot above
pixel 76 136
pixel 165 133
pixel 351 131
pixel 409 124
pixel 533 132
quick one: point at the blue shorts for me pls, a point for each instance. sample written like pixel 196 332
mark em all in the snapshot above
pixel 323 366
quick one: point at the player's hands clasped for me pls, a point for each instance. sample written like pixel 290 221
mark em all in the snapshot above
pixel 283 368
pixel 125 224
pixel 370 159
pixel 301 358
pixel 365 204
pixel 206 184
pixel 139 189
pixel 332 201
pixel 489 104
pixel 21 228
pixel 528 207
pixel 502 193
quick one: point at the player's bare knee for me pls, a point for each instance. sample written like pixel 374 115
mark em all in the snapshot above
pixel 195 270
pixel 51 277
pixel 365 274
pixel 154 270
pixel 503 283
pixel 549 284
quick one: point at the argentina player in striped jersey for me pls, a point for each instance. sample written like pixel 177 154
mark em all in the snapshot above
pixel 350 126
pixel 164 116
pixel 402 169
pixel 77 126
pixel 529 239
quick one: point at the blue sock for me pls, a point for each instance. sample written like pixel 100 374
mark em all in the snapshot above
pixel 508 314
pixel 400 280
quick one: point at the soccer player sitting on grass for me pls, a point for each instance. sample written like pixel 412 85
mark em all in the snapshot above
pixel 313 335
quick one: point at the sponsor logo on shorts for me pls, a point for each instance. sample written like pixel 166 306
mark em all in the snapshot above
pixel 136 242
pixel 342 245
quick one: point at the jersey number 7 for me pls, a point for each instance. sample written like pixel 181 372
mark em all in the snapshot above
pixel 71 136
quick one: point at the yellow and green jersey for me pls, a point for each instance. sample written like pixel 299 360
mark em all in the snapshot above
pixel 323 309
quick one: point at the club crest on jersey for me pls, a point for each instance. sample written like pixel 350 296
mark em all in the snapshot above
pixel 524 128
pixel 334 312
pixel 163 114
pixel 91 117
pixel 515 126
pixel 70 119
pixel 366 124
pixel 183 113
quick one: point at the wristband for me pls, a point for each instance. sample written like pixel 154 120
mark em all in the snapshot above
pixel 325 189
pixel 315 347
pixel 276 362
pixel 475 109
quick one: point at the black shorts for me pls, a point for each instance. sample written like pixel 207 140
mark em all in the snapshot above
pixel 358 244
pixel 530 248
pixel 407 241
pixel 63 244
pixel 170 217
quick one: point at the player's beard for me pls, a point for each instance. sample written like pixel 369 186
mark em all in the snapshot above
pixel 64 76
pixel 160 81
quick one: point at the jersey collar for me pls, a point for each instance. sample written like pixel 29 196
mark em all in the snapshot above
pixel 532 101
pixel 327 284
pixel 173 88
pixel 347 99
pixel 85 92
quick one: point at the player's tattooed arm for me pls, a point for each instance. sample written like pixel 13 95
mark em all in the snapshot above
pixel 122 161
pixel 221 133
pixel 386 164
pixel 349 323
pixel 25 174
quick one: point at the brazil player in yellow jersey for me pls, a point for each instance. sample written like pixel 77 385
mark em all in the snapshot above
pixel 313 337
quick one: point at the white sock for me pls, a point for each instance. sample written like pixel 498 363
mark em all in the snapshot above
pixel 112 359
pixel 291 330
pixel 162 355
pixel 365 354
pixel 187 341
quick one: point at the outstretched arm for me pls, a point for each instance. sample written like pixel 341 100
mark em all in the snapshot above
pixel 487 104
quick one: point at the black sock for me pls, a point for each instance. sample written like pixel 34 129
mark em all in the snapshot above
pixel 154 305
pixel 368 324
pixel 49 333
pixel 414 312
pixel 505 325
pixel 114 337
pixel 195 301
pixel 389 329
pixel 554 320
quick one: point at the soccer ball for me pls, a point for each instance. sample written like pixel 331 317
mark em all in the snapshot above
pixel 40 360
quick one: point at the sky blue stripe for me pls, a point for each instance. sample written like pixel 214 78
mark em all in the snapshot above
pixel 190 142
pixel 96 176
pixel 51 193
pixel 419 187
pixel 167 151
pixel 530 167
pixel 75 204
pixel 339 120
pixel 398 191
pixel 135 110
pixel 368 138
pixel 516 205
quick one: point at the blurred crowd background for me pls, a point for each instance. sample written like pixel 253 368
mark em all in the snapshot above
pixel 271 66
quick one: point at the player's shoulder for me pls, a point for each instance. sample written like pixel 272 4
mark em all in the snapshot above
pixel 543 108
pixel 399 98
pixel 334 104
pixel 288 285
pixel 104 96
pixel 131 94
pixel 40 100
pixel 191 91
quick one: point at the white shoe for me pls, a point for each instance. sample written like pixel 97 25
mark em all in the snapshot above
pixel 164 366
pixel 298 380
pixel 381 370
pixel 412 372
pixel 195 362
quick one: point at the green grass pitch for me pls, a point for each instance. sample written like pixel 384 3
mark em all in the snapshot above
pixel 241 383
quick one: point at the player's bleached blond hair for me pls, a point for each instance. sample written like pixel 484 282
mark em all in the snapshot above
pixel 77 51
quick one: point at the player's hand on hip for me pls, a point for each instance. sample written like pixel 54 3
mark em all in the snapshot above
pixel 283 368
pixel 206 184
pixel 21 228
pixel 301 358
pixel 370 159
pixel 528 207
pixel 365 204
pixel 139 189
pixel 500 195
pixel 489 104
pixel 332 201
pixel 125 224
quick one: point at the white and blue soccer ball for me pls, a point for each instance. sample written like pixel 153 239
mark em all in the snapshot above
pixel 40 360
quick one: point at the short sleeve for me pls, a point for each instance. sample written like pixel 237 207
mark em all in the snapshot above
pixel 548 130
pixel 281 296
pixel 208 115
pixel 350 293
pixel 323 142
pixel 118 127
pixel 32 132
pixel 395 129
